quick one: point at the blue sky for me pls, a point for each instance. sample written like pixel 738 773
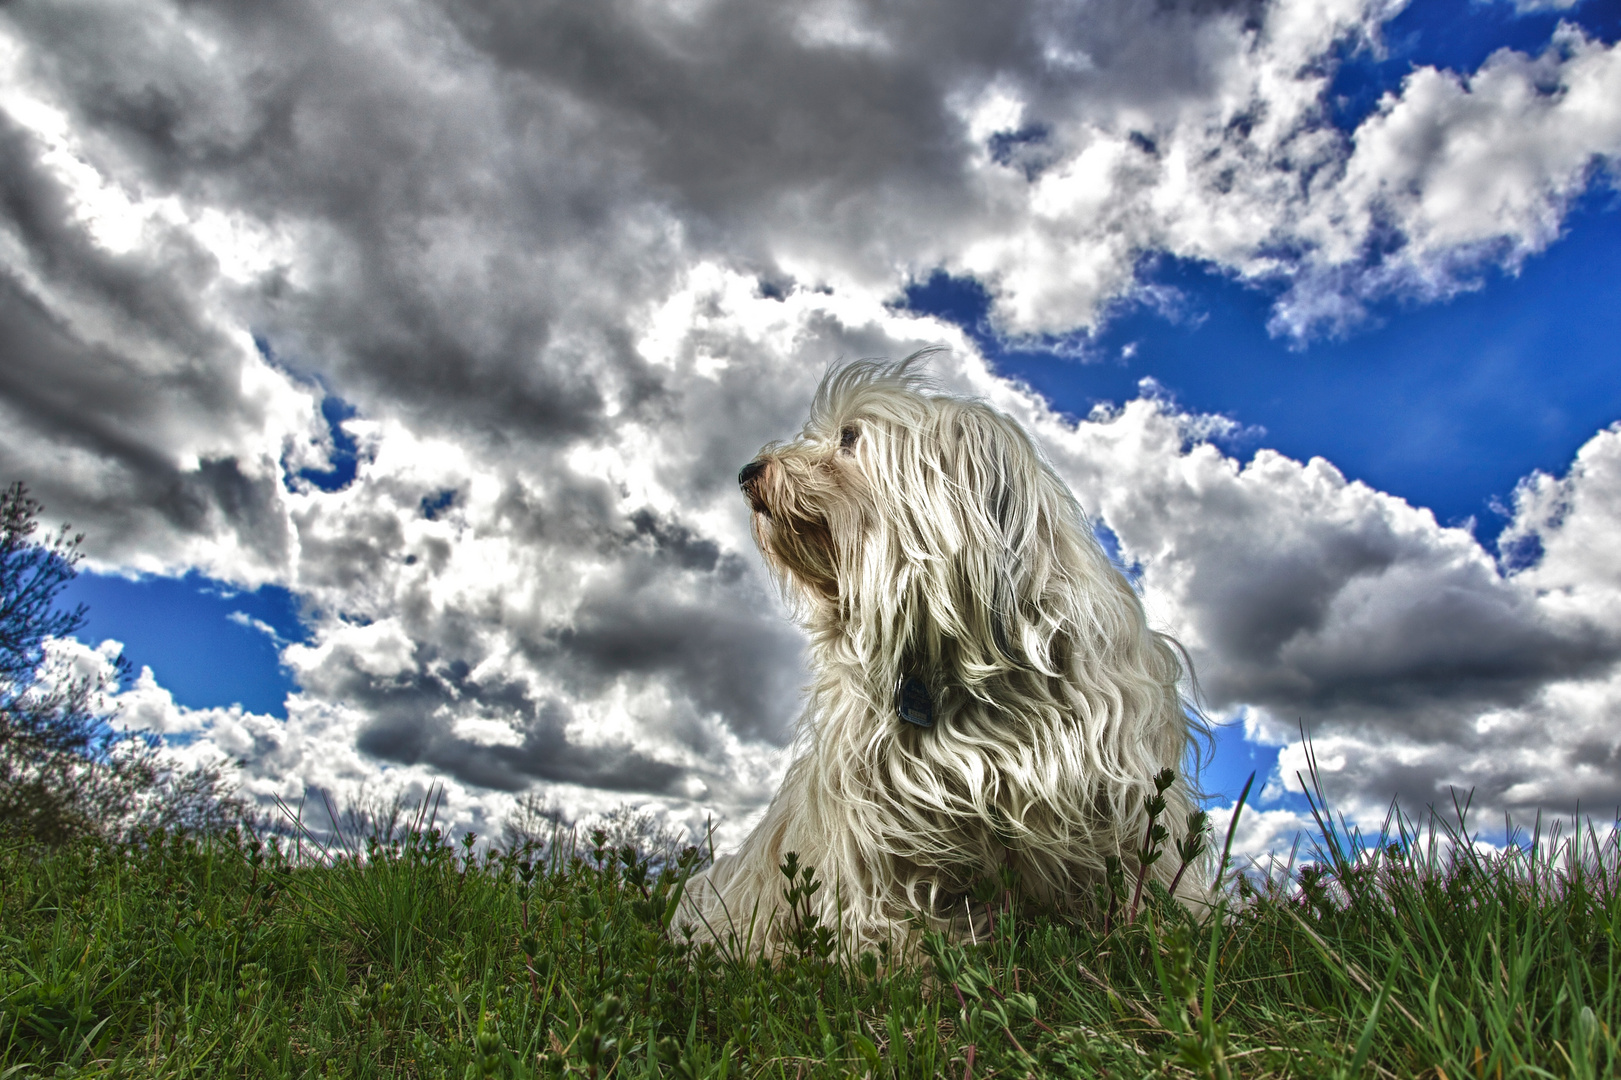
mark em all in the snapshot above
pixel 454 401
pixel 184 630
pixel 1447 405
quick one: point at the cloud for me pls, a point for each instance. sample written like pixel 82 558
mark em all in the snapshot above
pixel 1459 172
pixel 1417 660
pixel 127 398
pixel 510 638
pixel 1264 839
pixel 1522 7
pixel 248 622
pixel 571 265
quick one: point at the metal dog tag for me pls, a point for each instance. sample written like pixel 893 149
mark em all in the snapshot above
pixel 913 703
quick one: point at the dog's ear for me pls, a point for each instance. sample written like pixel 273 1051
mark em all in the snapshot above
pixel 944 564
pixel 994 480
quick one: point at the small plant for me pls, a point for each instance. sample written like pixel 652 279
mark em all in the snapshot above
pixel 1114 879
pixel 600 1035
pixel 1201 1043
pixel 1192 846
pixel 486 1049
pixel 806 934
pixel 1153 837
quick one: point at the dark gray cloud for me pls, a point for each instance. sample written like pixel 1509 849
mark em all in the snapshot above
pixel 404 729
pixel 726 660
pixel 437 245
pixel 1365 616
pixel 113 374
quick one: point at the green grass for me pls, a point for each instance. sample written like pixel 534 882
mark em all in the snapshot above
pixel 1408 955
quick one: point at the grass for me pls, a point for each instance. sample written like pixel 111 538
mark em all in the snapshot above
pixel 1412 955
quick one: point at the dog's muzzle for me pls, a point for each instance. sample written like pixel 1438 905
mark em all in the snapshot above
pixel 746 479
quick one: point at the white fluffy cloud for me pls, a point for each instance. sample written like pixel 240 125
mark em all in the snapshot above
pixel 573 264
pixel 1459 171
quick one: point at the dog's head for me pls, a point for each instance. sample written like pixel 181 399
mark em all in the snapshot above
pixel 925 529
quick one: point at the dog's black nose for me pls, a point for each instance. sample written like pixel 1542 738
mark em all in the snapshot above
pixel 749 472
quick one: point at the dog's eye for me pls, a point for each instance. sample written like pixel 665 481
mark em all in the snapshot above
pixel 848 437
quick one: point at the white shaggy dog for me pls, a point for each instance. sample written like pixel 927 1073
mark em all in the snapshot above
pixel 987 690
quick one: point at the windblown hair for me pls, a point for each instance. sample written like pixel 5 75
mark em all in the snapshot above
pixel 923 537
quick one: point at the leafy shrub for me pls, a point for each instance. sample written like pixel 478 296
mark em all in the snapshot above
pixel 67 771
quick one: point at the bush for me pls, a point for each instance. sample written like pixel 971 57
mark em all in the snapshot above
pixel 66 770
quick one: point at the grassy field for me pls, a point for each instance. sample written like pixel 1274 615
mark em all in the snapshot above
pixel 1403 955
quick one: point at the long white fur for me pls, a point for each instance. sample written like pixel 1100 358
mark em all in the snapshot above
pixel 942 545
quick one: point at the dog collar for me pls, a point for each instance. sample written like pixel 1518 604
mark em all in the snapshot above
pixel 912 701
